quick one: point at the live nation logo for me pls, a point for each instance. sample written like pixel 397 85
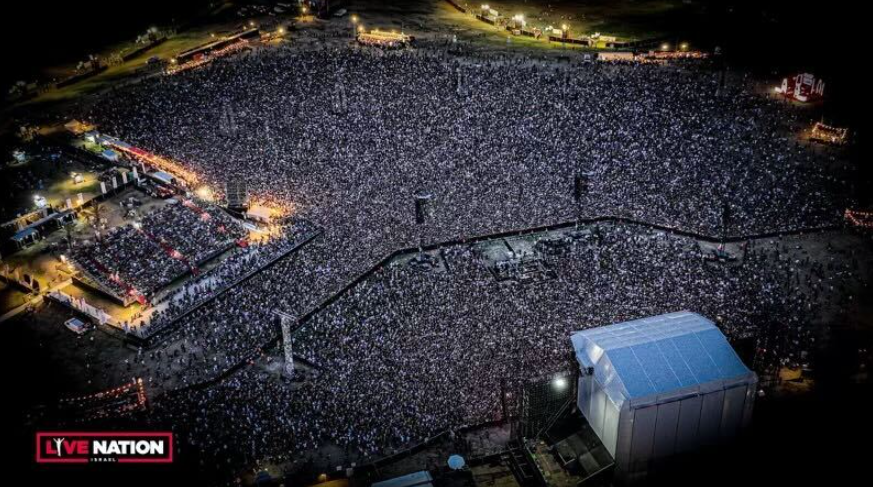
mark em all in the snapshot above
pixel 104 447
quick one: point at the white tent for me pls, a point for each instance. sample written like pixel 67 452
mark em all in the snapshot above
pixel 659 386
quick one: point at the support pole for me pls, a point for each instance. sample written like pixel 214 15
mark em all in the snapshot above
pixel 285 321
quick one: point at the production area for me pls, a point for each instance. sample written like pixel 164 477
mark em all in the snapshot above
pixel 435 243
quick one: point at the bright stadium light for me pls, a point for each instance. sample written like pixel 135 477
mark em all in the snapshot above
pixel 204 193
pixel 665 47
pixel 684 46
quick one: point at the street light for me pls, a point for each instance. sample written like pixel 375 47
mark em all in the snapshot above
pixel 560 383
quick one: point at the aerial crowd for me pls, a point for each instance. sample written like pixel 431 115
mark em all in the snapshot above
pixel 150 253
pixel 345 139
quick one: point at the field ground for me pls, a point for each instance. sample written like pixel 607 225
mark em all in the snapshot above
pixel 10 297
pixel 45 177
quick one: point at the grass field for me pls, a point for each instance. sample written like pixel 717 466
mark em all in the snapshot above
pixel 628 19
pixel 10 298
pixel 47 178
pixel 119 72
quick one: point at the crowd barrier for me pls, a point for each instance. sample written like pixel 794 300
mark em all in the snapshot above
pixel 82 306
pixel 138 51
pixel 569 40
pixel 81 76
pixel 462 241
pixel 471 240
pixel 169 329
pixel 457 6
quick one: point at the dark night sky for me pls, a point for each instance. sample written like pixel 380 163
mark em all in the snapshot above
pixel 43 33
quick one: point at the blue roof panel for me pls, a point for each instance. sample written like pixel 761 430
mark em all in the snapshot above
pixel 632 375
pixel 657 369
pixel 698 360
pixel 677 363
pixel 724 356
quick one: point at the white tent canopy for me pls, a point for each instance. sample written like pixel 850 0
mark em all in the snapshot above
pixel 661 385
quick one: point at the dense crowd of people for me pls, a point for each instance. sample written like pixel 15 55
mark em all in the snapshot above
pixel 407 353
pixel 196 232
pixel 345 138
pixel 145 256
pixel 126 260
pixel 233 268
pixel 498 143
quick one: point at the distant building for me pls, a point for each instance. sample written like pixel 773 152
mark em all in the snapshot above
pixel 660 386
pixel 608 56
pixel 803 87
pixel 382 38
pixel 828 134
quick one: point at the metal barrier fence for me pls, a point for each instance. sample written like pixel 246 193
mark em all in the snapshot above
pixel 466 241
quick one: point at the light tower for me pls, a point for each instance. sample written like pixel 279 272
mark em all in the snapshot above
pixel 285 321
pixel 581 186
pixel 423 211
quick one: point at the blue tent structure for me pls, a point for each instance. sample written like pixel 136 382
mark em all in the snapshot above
pixel 110 155
pixel 25 238
pixel 163 177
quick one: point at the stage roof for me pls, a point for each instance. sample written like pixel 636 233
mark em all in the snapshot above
pixel 667 354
